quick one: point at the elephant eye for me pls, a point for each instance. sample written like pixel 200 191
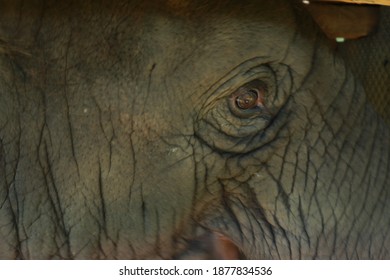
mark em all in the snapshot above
pixel 248 100
pixel 246 110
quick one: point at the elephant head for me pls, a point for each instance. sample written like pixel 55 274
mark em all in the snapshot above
pixel 133 129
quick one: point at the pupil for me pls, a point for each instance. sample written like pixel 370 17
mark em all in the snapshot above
pixel 247 100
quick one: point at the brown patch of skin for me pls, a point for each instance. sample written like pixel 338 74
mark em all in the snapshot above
pixel 346 21
pixel 377 2
pixel 225 249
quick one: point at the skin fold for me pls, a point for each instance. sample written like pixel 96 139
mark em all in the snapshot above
pixel 121 136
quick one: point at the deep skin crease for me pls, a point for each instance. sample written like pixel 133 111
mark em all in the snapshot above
pixel 117 141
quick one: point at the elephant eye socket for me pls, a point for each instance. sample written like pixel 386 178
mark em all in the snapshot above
pixel 246 108
pixel 248 100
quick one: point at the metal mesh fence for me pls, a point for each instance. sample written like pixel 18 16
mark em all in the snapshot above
pixel 369 59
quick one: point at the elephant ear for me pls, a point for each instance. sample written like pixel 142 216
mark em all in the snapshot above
pixel 376 2
pixel 347 21
pixel 366 49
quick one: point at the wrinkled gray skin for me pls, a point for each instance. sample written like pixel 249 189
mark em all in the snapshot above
pixel 120 139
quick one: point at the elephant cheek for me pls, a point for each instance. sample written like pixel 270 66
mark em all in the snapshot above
pixel 243 226
pixel 163 194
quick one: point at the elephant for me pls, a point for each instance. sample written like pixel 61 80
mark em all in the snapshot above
pixel 164 129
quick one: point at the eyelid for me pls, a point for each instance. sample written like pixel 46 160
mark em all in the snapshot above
pixel 262 73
